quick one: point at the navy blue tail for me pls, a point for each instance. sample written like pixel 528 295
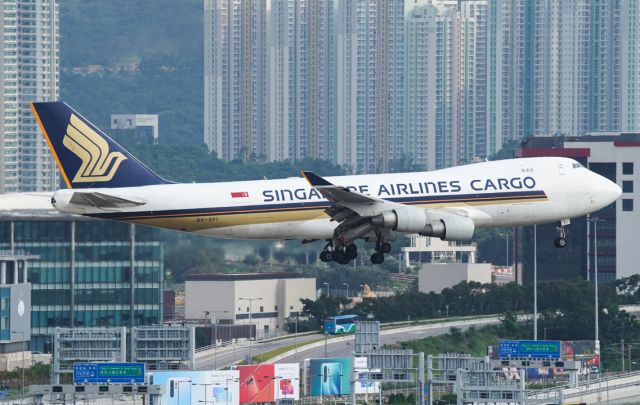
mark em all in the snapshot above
pixel 86 156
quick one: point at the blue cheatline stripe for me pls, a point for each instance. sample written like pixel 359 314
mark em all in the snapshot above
pixel 306 205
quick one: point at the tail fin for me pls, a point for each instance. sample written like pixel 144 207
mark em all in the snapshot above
pixel 86 157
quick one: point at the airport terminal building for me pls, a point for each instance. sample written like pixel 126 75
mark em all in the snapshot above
pixel 84 276
pixel 615 156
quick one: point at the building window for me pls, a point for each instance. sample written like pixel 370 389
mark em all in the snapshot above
pixel 627 204
pixel 627 186
pixel 261 308
pixel 627 168
pixel 275 308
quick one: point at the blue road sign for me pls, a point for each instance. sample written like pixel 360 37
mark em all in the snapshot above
pixel 98 373
pixel 530 349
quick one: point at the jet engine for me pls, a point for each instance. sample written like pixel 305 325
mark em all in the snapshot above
pixel 414 220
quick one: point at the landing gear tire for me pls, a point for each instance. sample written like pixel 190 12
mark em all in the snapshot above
pixel 377 258
pixel 351 251
pixel 340 256
pixel 560 242
pixel 326 256
pixel 385 247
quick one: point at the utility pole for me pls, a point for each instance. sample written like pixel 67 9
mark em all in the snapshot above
pixel 250 323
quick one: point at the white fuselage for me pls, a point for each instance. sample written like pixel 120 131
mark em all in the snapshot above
pixel 498 193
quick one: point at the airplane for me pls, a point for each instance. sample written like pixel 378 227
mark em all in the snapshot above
pixel 105 181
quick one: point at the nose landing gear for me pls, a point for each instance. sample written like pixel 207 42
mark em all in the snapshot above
pixel 561 241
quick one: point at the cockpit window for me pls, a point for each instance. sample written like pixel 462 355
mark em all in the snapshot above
pixel 577 165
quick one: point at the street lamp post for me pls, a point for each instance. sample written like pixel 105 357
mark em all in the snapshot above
pixel 347 284
pixel 250 324
pixel 23 363
pixel 215 332
pixel 327 284
pixel 595 221
pixel 535 282
pixel 507 236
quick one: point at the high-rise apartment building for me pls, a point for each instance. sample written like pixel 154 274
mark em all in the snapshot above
pixel 235 52
pixel 556 67
pixel 430 76
pixel 29 60
pixel 370 46
pixel 363 83
pixel 629 82
pixel 312 78
pixel 446 83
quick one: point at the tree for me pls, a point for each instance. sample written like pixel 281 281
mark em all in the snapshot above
pixel 323 306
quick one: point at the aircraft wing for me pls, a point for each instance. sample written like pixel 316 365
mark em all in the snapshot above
pixel 347 202
pixel 101 200
pixel 360 214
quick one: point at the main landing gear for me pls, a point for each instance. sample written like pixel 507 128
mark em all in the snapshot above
pixel 561 241
pixel 381 249
pixel 341 255
pixel 344 255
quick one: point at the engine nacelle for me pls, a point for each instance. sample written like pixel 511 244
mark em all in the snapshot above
pixel 450 227
pixel 414 220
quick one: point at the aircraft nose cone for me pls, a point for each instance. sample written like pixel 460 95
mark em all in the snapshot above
pixel 610 191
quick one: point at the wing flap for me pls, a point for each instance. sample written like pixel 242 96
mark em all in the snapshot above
pixel 101 200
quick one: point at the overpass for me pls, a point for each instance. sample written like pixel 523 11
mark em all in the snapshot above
pixel 613 389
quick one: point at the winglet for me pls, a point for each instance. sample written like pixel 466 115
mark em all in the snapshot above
pixel 315 180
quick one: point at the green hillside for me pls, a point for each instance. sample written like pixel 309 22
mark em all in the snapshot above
pixel 160 42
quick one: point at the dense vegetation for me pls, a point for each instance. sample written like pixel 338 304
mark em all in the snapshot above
pixel 144 59
pixel 565 307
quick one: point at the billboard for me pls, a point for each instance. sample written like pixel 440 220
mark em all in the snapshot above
pixel 197 387
pixel 330 376
pixel 530 349
pixel 364 383
pixel 287 381
pixel 97 373
pixel 257 383
pixel 586 351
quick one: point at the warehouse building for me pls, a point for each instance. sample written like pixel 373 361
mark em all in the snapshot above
pixel 262 299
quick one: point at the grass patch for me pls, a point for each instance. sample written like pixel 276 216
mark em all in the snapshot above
pixel 473 341
pixel 262 357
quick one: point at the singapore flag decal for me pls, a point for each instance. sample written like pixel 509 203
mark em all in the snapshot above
pixel 239 194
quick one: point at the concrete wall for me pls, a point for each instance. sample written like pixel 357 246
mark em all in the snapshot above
pixel 13 361
pixel 438 276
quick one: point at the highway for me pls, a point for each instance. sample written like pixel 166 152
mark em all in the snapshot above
pixel 226 356
pixel 336 347
pixel 341 348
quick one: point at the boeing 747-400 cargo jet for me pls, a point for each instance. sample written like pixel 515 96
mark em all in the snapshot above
pixel 105 181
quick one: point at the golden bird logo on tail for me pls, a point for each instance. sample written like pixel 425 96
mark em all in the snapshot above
pixel 98 164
